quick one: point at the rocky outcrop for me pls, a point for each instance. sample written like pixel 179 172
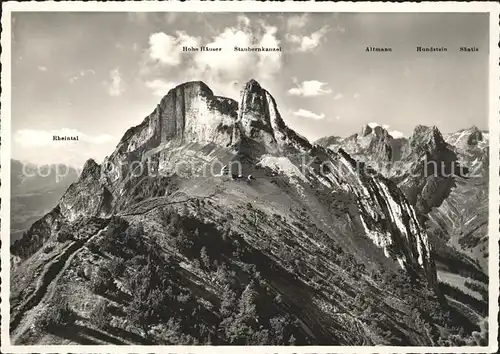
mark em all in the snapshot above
pixel 463 216
pixel 189 112
pixel 425 166
pixel 87 197
pixel 374 145
pixel 428 171
pixel 383 213
pixel 472 148
pixel 331 142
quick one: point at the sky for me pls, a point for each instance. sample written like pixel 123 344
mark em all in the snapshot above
pixel 97 74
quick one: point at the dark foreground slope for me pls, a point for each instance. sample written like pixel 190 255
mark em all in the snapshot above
pixel 212 222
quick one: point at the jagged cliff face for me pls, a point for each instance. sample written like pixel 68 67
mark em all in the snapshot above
pixel 424 166
pixel 472 148
pixel 463 216
pixel 374 146
pixel 86 197
pixel 445 178
pixel 429 169
pixel 189 112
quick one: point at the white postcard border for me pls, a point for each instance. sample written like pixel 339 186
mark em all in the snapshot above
pixel 251 6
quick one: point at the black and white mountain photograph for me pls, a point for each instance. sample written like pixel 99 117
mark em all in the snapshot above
pixel 249 179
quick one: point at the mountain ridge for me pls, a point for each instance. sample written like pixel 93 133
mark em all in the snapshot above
pixel 291 201
pixel 257 121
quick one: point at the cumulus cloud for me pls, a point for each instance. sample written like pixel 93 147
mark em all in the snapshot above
pixel 356 96
pixel 307 43
pixel 243 20
pixel 338 96
pixel 37 138
pixel 220 70
pixel 308 114
pixel 117 85
pixel 160 87
pixel 167 49
pixel 42 68
pixel 310 88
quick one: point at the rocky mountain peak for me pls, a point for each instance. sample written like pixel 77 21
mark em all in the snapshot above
pixel 254 109
pixel 259 118
pixel 366 130
pixel 252 86
pixel 90 168
pixel 475 136
pixel 381 132
pixel 376 130
pixel 427 136
pixel 192 87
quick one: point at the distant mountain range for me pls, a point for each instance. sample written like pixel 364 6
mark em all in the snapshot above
pixel 35 190
pixel 453 203
pixel 213 222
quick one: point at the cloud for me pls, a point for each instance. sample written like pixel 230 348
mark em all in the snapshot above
pixel 308 114
pixel 42 68
pixel 297 21
pixel 80 75
pixel 307 43
pixel 87 72
pixel 269 63
pixel 243 20
pixel 117 85
pixel 160 87
pixel 35 138
pixel 356 96
pixel 220 70
pixel 339 28
pixel 394 133
pixel 338 96
pixel 374 124
pixel 37 146
pixel 167 49
pixel 310 88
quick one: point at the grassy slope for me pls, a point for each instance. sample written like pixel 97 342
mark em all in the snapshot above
pixel 272 233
